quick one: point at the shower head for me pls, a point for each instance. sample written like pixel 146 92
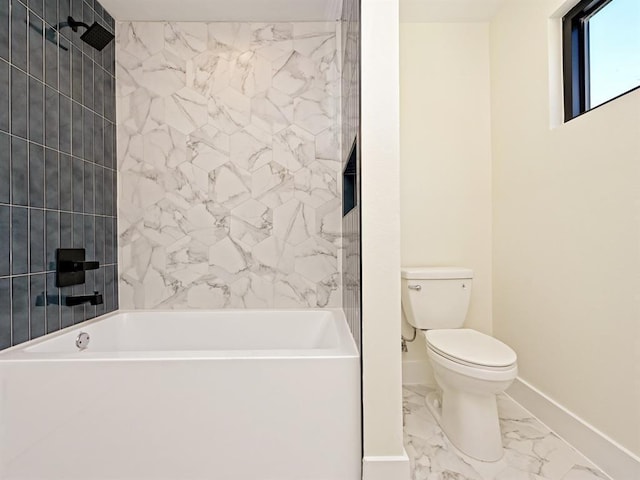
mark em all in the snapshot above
pixel 96 35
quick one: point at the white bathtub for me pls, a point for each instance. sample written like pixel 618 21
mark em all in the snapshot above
pixel 253 394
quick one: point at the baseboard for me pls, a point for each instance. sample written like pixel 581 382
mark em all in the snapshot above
pixel 610 457
pixel 386 468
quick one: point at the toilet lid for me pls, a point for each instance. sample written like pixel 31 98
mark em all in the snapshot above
pixel 471 347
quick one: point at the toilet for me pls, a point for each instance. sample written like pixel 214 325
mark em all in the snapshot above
pixel 470 368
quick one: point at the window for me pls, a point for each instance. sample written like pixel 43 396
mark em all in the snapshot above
pixel 601 53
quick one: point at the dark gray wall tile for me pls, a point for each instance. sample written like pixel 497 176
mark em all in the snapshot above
pixel 88 121
pixel 36 240
pixel 5 312
pixel 99 12
pixel 99 286
pixel 99 240
pixel 77 184
pixel 51 12
pixel 114 193
pixel 64 67
pixel 87 81
pixel 36 110
pixel 64 8
pixel 36 175
pixel 51 52
pixel 36 38
pixel 20 308
pixel 109 159
pixel 109 244
pixel 77 133
pixel 4 97
pixel 18 103
pixel 109 62
pixel 98 99
pixel 76 12
pixel 116 295
pixel 65 183
pixel 109 287
pixel 88 188
pixel 52 179
pixel 4 30
pixel 19 174
pixel 53 304
pixel 37 7
pixel 90 238
pixel 109 194
pixel 19 240
pixel 5 168
pixel 66 313
pixel 51 117
pixel 109 101
pixel 78 230
pixel 18 35
pixel 5 240
pixel 66 230
pixel 98 183
pixel 52 238
pixel 65 124
pixel 37 305
pixel 76 74
pixel 87 16
pixel 78 311
pixel 109 21
pixel 98 140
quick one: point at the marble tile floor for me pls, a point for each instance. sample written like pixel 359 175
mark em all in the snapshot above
pixel 532 451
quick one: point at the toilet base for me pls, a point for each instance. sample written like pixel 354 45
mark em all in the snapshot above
pixel 469 421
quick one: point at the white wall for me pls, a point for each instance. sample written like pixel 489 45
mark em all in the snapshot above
pixel 566 231
pixel 382 381
pixel 445 151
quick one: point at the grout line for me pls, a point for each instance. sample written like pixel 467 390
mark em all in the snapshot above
pixel 45 209
pixel 10 82
pixel 46 272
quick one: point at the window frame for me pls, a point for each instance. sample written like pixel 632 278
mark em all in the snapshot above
pixel 575 58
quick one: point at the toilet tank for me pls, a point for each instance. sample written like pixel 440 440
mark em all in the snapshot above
pixel 436 297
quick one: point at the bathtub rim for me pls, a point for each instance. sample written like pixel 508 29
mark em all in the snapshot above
pixel 346 348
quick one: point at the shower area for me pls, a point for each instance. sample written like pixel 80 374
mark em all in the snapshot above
pixel 172 161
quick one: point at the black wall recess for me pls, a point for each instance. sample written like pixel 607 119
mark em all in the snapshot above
pixel 350 181
pixel 71 266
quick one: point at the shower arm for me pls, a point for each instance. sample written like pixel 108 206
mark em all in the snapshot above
pixel 74 24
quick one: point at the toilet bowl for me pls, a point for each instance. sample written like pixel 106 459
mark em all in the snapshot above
pixel 466 409
pixel 470 368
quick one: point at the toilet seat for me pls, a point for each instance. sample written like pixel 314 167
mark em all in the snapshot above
pixel 490 374
pixel 471 348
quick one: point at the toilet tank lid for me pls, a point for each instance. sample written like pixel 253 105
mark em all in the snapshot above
pixel 435 273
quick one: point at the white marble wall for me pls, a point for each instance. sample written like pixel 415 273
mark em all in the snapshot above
pixel 229 164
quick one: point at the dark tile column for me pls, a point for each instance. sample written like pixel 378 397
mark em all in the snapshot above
pixel 57 164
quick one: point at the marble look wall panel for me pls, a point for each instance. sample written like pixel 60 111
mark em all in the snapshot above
pixel 229 165
pixel 350 114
